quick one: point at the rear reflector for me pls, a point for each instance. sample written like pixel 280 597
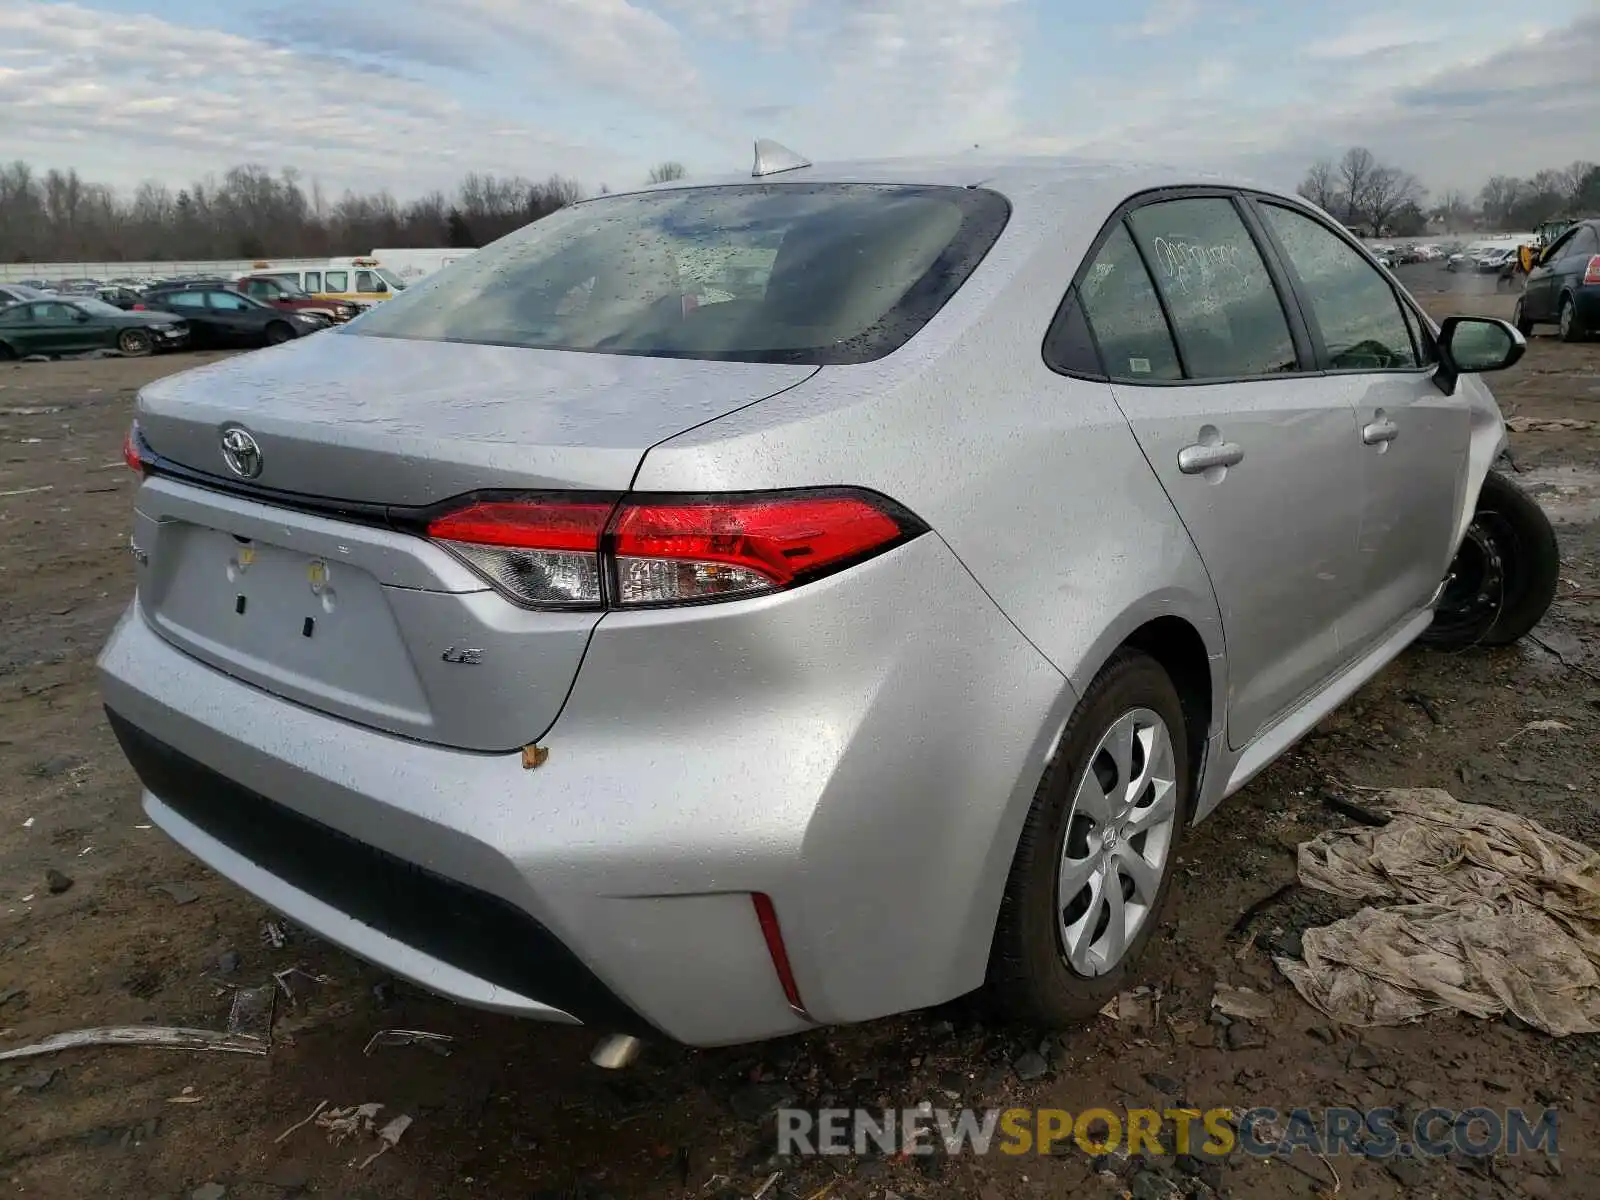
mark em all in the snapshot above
pixel 1591 273
pixel 767 915
pixel 566 552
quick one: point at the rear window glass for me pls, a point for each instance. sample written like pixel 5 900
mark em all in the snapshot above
pixel 791 273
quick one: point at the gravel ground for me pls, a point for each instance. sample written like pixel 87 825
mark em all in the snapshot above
pixel 144 934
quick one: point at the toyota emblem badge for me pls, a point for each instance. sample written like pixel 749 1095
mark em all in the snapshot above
pixel 241 452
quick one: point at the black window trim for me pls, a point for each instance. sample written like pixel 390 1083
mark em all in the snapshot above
pixel 1255 200
pixel 1310 350
pixel 1287 302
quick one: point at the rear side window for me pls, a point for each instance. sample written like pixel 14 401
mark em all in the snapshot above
pixel 1122 309
pixel 792 273
pixel 1225 310
pixel 313 281
pixel 186 299
pixel 1352 303
pixel 1587 241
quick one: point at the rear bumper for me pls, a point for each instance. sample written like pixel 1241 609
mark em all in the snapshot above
pixel 863 751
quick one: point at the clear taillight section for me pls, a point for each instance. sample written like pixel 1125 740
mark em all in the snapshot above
pixel 133 449
pixel 539 552
pixel 555 552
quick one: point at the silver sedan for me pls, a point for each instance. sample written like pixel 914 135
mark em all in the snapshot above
pixel 726 608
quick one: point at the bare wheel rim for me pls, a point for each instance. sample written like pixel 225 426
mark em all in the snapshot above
pixel 1566 318
pixel 1118 842
pixel 133 341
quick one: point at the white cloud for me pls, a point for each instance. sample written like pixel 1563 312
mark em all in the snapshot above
pixel 1452 115
pixel 909 76
pixel 126 97
pixel 1165 17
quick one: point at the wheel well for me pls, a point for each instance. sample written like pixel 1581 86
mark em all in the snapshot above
pixel 1178 647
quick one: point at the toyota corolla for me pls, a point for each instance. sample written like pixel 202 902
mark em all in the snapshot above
pixel 723 609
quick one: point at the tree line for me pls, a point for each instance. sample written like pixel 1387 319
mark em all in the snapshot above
pixel 250 212
pixel 1386 201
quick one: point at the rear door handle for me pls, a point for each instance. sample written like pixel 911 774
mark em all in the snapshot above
pixel 1197 459
pixel 1379 431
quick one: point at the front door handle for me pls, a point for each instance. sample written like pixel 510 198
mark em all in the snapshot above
pixel 1197 459
pixel 1379 431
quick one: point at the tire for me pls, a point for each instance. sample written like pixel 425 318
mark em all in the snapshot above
pixel 278 333
pixel 1568 321
pixel 1524 326
pixel 1038 937
pixel 136 343
pixel 6 353
pixel 1504 575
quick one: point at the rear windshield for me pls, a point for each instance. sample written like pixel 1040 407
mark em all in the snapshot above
pixel 786 273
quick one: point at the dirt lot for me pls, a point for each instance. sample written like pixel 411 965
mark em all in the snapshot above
pixel 144 934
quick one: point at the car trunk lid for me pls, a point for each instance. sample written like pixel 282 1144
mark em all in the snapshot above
pixel 308 588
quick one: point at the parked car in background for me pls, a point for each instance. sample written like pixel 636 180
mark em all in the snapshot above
pixel 36 284
pixel 77 324
pixel 281 291
pixel 16 293
pixel 877 635
pixel 119 297
pixel 1496 261
pixel 220 316
pixel 1563 287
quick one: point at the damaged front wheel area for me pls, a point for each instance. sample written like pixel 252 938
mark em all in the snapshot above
pixel 1504 575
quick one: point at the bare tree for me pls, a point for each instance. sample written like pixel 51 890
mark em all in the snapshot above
pixel 1499 199
pixel 1354 169
pixel 1321 185
pixel 666 172
pixel 1385 192
pixel 1454 210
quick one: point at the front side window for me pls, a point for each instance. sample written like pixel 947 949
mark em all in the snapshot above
pixel 367 281
pixel 338 281
pixel 55 314
pixel 1351 302
pixel 796 273
pixel 1225 310
pixel 1125 315
pixel 228 301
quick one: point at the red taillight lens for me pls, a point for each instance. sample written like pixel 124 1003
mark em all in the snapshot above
pixel 132 452
pixel 138 308
pixel 543 552
pixel 1591 273
pixel 672 553
pixel 564 552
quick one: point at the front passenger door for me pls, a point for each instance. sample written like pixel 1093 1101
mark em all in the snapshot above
pixel 1259 461
pixel 1413 439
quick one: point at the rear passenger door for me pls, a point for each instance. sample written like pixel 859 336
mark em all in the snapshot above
pixel 1260 461
pixel 1413 439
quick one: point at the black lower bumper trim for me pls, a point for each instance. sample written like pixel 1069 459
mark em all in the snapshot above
pixel 456 924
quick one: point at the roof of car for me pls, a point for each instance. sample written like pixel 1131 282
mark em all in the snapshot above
pixel 1007 174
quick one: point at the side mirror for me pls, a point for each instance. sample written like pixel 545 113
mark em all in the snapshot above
pixel 1474 345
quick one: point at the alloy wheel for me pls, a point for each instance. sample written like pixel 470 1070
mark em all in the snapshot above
pixel 1118 842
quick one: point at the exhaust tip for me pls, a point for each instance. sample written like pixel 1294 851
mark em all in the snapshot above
pixel 615 1052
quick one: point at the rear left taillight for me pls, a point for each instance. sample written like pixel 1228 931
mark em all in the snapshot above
pixel 1591 273
pixel 133 449
pixel 558 551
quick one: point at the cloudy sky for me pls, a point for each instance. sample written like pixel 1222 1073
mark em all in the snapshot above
pixel 410 95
